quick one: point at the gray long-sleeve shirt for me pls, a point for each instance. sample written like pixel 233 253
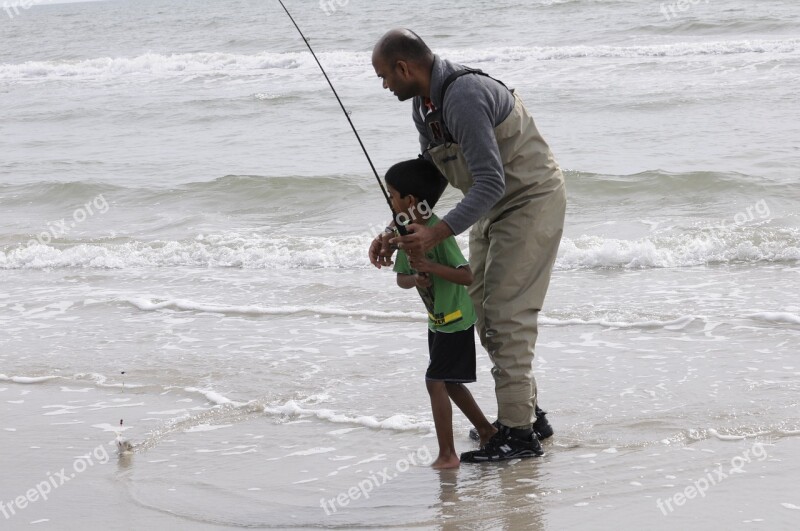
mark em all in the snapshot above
pixel 474 106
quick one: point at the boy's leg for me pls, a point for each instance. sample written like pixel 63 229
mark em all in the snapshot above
pixel 443 420
pixel 466 403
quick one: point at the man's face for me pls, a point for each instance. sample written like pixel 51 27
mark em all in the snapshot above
pixel 396 77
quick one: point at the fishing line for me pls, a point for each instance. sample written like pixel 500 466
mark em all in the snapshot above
pixel 400 227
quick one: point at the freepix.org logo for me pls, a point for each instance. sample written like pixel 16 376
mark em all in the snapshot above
pixel 43 489
pixel 671 11
pixel 422 456
pixel 712 478
pixel 63 226
pixel 12 7
pixel 329 6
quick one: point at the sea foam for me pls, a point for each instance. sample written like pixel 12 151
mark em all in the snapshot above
pixel 254 250
pixel 394 423
pixel 27 379
pixel 191 65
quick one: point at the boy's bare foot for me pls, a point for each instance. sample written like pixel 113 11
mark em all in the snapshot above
pixel 443 462
pixel 487 434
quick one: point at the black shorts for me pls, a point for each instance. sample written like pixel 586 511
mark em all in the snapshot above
pixel 452 356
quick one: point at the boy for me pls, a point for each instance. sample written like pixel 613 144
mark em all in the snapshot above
pixel 440 277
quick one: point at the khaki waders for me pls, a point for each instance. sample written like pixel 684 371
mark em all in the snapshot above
pixel 511 253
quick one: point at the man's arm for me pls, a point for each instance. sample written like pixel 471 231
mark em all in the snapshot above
pixel 474 106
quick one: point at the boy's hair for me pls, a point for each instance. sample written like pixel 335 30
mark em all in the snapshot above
pixel 418 177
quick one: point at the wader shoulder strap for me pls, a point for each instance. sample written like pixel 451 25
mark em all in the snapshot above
pixel 437 130
pixel 458 73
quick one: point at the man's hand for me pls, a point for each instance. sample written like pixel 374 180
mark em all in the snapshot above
pixel 381 251
pixel 421 238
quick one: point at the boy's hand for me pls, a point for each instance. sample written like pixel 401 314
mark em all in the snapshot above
pixel 381 251
pixel 423 280
pixel 420 263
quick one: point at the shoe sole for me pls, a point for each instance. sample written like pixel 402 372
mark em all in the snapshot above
pixel 469 457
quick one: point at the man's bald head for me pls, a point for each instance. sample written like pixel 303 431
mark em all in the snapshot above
pixel 402 45
pixel 404 62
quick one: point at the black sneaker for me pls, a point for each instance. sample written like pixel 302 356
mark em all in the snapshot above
pixel 541 427
pixel 502 446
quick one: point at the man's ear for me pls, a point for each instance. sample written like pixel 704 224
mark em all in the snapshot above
pixel 402 67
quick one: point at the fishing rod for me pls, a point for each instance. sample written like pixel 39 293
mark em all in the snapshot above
pixel 400 227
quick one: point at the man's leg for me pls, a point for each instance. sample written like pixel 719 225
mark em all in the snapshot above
pixel 478 249
pixel 522 250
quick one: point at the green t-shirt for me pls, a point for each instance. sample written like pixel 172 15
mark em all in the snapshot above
pixel 449 305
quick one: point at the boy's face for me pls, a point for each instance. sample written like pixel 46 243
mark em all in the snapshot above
pixel 401 205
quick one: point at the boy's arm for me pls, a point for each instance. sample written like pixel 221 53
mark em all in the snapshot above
pixel 415 280
pixel 407 278
pixel 406 281
pixel 457 275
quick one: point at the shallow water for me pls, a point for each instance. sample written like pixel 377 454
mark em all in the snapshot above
pixel 177 196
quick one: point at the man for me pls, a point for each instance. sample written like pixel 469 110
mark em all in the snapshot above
pixel 481 137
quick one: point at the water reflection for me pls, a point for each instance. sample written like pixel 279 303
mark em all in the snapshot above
pixel 492 496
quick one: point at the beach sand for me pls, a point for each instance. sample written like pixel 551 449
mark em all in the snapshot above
pixel 231 467
pixel 182 200
pixel 643 411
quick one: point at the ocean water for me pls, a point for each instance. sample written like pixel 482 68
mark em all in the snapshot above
pixel 184 221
